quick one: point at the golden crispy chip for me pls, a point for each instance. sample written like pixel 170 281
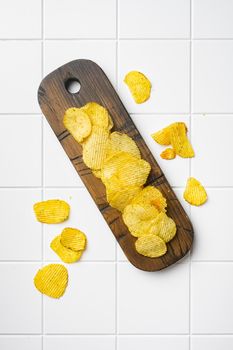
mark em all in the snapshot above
pixel 73 239
pixel 65 254
pixel 98 115
pixel 52 280
pixel 151 195
pixel 195 193
pixel 119 142
pixel 168 154
pixel 78 123
pixel 151 245
pixel 164 227
pixel 52 211
pixel 163 136
pixel 94 148
pixel 97 173
pixel 180 142
pixel 139 86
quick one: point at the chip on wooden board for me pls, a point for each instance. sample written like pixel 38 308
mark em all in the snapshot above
pixel 65 254
pixel 73 239
pixel 195 193
pixel 78 123
pixel 151 195
pixel 52 211
pixel 139 86
pixel 168 154
pixel 98 115
pixel 119 142
pixel 151 245
pixel 164 227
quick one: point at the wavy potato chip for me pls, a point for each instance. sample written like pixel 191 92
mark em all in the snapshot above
pixel 52 280
pixel 52 211
pixel 162 137
pixel 119 142
pixel 151 195
pixel 151 245
pixel 98 115
pixel 65 254
pixel 139 86
pixel 180 142
pixel 73 239
pixel 78 123
pixel 164 227
pixel 97 173
pixel 168 154
pixel 195 193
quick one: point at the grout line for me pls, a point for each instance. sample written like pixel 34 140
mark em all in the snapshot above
pixel 112 39
pixel 112 334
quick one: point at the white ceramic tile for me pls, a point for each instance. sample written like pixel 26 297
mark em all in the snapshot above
pixel 212 142
pixel 212 19
pixel 20 343
pixel 21 234
pixel 211 298
pixel 166 64
pixel 80 19
pixel 212 227
pixel 88 306
pixel 20 151
pixel 153 342
pixel 212 76
pixel 15 22
pixel 20 73
pixel 58 170
pixel 20 302
pixel 145 304
pixel 85 216
pixel 212 342
pixel 82 342
pixel 154 19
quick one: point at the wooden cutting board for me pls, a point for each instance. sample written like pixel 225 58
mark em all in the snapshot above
pixel 54 99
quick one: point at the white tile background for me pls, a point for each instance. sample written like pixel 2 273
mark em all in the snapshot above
pixel 186 49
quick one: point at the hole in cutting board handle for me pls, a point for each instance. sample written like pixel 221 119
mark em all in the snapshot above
pixel 72 85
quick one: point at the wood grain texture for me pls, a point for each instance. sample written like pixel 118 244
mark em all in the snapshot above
pixel 54 99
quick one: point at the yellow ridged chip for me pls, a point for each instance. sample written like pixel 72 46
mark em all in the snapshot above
pixel 195 193
pixel 139 86
pixel 65 254
pixel 151 245
pixel 73 239
pixel 98 115
pixel 97 173
pixel 151 195
pixel 52 280
pixel 78 123
pixel 121 142
pixel 52 211
pixel 168 154
pixel 162 137
pixel 164 227
pixel 180 142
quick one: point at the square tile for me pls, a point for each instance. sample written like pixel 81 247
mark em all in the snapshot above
pixel 212 342
pixel 80 19
pixel 20 73
pixel 20 302
pixel 145 304
pixel 16 23
pixel 20 151
pixel 212 19
pixel 211 139
pixel 103 53
pixel 85 216
pixel 211 298
pixel 88 306
pixel 166 64
pixel 213 227
pixel 21 237
pixel 154 19
pixel 83 342
pixel 212 76
pixel 20 342
pixel 153 342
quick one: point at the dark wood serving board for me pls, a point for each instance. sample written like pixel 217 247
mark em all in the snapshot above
pixel 54 99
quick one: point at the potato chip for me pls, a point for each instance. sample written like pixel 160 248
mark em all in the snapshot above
pixel 151 195
pixel 121 142
pixel 52 280
pixel 164 227
pixel 180 142
pixel 168 154
pixel 195 193
pixel 78 123
pixel 65 254
pixel 162 136
pixel 73 239
pixel 138 85
pixel 151 245
pixel 97 173
pixel 52 211
pixel 98 115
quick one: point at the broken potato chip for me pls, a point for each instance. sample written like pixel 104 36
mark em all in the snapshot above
pixel 52 211
pixel 65 254
pixel 78 123
pixel 180 142
pixel 168 154
pixel 73 239
pixel 151 245
pixel 139 86
pixel 195 193
pixel 52 280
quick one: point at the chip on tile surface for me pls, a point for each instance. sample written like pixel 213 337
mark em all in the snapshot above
pixel 65 254
pixel 139 86
pixel 162 137
pixel 73 239
pixel 195 193
pixel 180 142
pixel 52 211
pixel 78 123
pixel 151 245
pixel 164 227
pixel 52 280
pixel 168 154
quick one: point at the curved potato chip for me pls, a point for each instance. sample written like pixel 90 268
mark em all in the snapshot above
pixel 168 154
pixel 151 195
pixel 162 136
pixel 65 254
pixel 195 193
pixel 180 142
pixel 52 211
pixel 139 86
pixel 52 280
pixel 164 227
pixel 119 142
pixel 98 115
pixel 78 123
pixel 73 239
pixel 151 245
pixel 97 173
